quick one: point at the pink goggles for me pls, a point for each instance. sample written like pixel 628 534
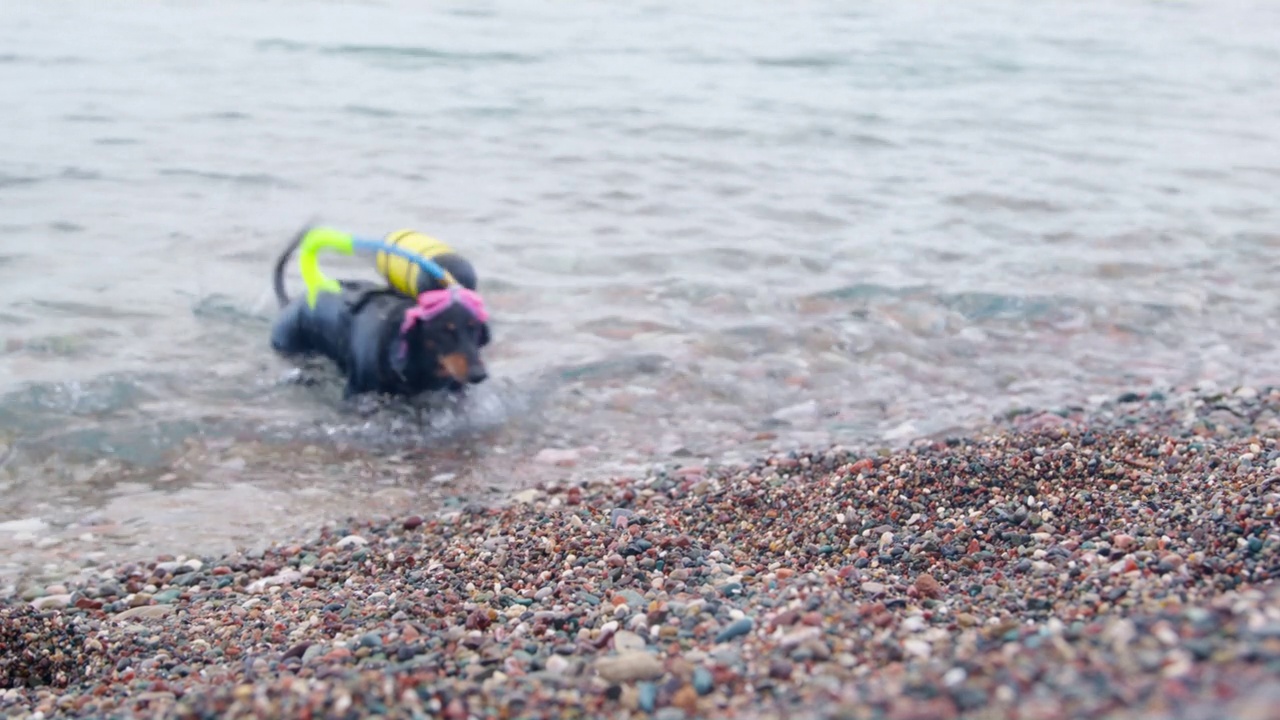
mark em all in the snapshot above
pixel 433 302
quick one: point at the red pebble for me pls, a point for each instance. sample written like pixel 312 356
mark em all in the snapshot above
pixel 478 620
pixel 336 654
pixel 929 587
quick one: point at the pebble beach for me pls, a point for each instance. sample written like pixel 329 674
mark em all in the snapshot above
pixel 1116 561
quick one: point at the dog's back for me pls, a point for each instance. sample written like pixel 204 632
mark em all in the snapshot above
pixel 325 329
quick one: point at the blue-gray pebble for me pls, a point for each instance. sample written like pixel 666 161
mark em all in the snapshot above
pixel 736 629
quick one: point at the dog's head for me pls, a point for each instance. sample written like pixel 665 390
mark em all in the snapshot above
pixel 446 330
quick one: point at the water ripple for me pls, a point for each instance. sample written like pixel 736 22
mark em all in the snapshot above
pixel 403 51
pixel 221 177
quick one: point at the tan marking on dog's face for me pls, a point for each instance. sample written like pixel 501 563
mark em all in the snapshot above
pixel 454 365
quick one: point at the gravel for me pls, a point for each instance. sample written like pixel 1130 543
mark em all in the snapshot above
pixel 1117 562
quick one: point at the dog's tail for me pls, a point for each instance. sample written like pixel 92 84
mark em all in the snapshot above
pixel 281 296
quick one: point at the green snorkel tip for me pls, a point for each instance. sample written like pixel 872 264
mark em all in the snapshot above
pixel 318 239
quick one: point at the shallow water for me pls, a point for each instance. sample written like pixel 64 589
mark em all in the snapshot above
pixel 702 232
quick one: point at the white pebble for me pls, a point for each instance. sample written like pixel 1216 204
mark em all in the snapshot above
pixel 51 602
pixel 919 648
pixel 350 540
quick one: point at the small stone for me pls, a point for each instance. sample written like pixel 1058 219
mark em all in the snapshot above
pixel 620 517
pixel 686 700
pixel 297 651
pixel 52 602
pixel 736 629
pixel 648 696
pixel 626 641
pixel 351 540
pixel 629 667
pixel 672 713
pixel 928 587
pixel 703 681
pixel 919 648
pixel 336 655
pixel 145 612
pixel 873 588
pixel 412 522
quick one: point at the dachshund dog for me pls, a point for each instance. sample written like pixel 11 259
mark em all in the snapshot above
pixel 384 341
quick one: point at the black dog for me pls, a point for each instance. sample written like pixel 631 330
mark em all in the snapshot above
pixel 360 331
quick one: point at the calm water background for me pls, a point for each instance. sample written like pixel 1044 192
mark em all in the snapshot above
pixel 704 229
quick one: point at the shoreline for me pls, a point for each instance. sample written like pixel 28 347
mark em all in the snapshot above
pixel 1111 562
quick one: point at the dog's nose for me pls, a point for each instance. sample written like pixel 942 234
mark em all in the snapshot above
pixel 476 373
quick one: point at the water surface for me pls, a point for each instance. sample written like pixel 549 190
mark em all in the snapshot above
pixel 704 229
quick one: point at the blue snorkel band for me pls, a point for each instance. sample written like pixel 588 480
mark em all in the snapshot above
pixel 431 266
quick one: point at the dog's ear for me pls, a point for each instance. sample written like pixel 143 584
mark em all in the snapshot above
pixel 484 335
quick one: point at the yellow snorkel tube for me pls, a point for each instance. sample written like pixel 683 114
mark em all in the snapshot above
pixel 393 269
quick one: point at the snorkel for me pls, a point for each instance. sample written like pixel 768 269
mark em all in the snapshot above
pixel 430 303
